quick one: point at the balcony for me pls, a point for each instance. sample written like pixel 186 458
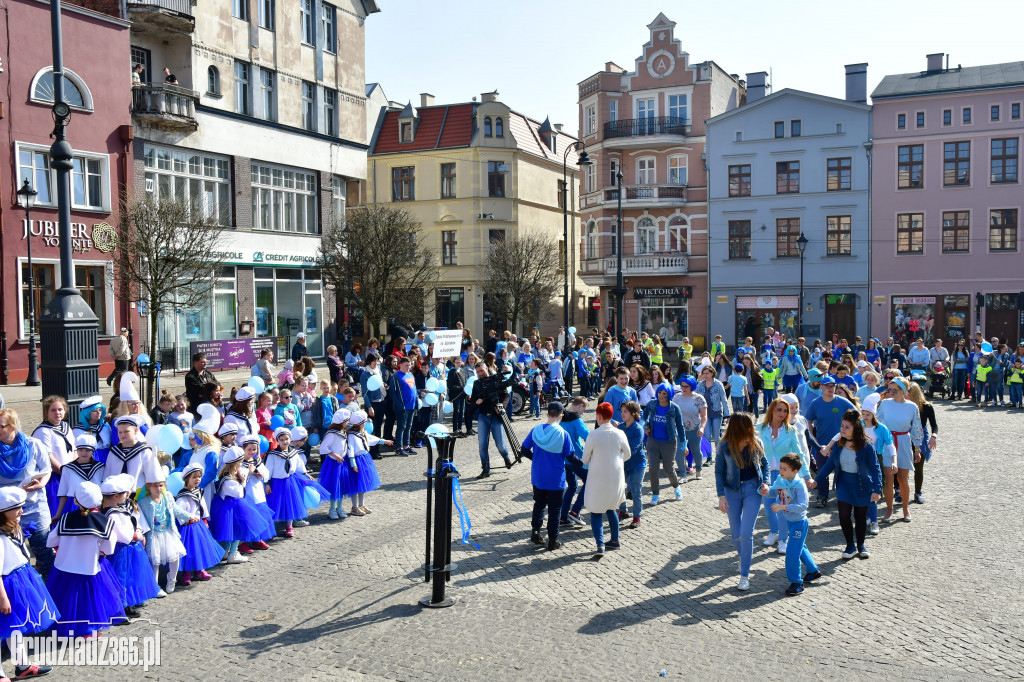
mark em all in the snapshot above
pixel 161 16
pixel 648 194
pixel 598 271
pixel 638 127
pixel 170 107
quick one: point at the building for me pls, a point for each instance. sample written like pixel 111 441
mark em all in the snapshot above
pixel 648 125
pixel 257 111
pixel 97 88
pixel 474 173
pixel 946 255
pixel 788 164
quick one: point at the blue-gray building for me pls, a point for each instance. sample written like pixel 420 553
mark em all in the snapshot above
pixel 782 166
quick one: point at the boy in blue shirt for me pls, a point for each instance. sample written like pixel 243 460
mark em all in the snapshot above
pixel 620 393
pixel 738 390
pixel 572 423
pixel 548 446
pixel 791 493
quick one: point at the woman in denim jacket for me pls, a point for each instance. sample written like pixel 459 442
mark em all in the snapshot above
pixel 741 479
pixel 713 392
pixel 663 424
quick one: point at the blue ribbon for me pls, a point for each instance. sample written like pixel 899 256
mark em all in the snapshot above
pixel 460 507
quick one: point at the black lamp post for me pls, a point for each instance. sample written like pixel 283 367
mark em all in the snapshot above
pixel 801 245
pixel 619 291
pixel 583 161
pixel 27 200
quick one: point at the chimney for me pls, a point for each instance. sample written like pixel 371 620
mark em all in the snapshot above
pixel 757 85
pixel 426 99
pixel 489 96
pixel 558 127
pixel 857 83
pixel 935 61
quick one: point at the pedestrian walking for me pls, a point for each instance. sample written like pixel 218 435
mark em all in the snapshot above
pixel 121 352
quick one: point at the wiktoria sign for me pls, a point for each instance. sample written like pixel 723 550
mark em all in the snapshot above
pixel 101 236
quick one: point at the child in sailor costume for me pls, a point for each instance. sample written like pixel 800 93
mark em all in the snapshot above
pixel 85 591
pixel 131 455
pixel 333 453
pixel 129 560
pixel 209 449
pixel 360 476
pixel 233 516
pixel 288 480
pixel 255 475
pixel 82 468
pixel 131 405
pixel 56 436
pixel 241 413
pixel 163 541
pixel 201 550
pixel 92 419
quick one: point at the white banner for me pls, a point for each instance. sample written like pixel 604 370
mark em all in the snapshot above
pixel 447 343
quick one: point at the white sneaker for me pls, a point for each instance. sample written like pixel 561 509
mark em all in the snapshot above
pixel 301 523
pixel 170 587
pixel 873 529
pixel 679 493
pixel 771 539
pixel 333 514
pixel 782 547
pixel 161 594
pixel 744 584
pixel 236 558
pixel 654 500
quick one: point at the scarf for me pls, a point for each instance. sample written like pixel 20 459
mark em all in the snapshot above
pixel 287 457
pixel 17 539
pixel 64 431
pixel 14 457
pixel 122 509
pixel 126 456
pixel 85 471
pixel 196 495
pixel 94 523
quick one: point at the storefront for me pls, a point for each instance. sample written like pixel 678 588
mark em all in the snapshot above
pixel 924 317
pixel 664 311
pixel 1002 317
pixel 289 301
pixel 754 314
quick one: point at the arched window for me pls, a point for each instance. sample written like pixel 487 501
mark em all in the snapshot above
pixel 76 93
pixel 487 126
pixel 212 81
pixel 499 127
pixel 677 235
pixel 590 241
pixel 645 236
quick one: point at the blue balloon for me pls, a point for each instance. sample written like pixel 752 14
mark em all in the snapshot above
pixel 430 399
pixel 986 347
pixel 175 483
pixel 369 427
pixel 572 330
pixel 432 385
pixel 170 439
pixel 314 439
pixel 311 498
pixel 374 383
pixel 143 358
pixel 257 384
pixel 276 422
pixel 448 407
pixel 431 336
pixel 264 445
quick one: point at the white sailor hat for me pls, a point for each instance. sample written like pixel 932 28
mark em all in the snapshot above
pixel 11 497
pixel 357 418
pixel 341 416
pixel 299 433
pixel 88 495
pixel 85 441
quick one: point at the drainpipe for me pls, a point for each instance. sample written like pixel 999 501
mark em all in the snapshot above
pixel 868 147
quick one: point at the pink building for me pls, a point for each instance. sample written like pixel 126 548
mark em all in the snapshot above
pixel 946 202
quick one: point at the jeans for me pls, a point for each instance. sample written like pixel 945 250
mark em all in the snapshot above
pixel 119 366
pixel 535 404
pixel 985 391
pixel 744 505
pixel 752 405
pixel 489 426
pixel 458 413
pixel 552 501
pixel 404 428
pixel 692 442
pixel 378 424
pixel 713 429
pixel 571 475
pixel 797 552
pixel 739 403
pixel 470 416
pixel 422 420
pixel 998 391
pixel 634 485
pixel 389 421
pixel 767 396
pixel 1016 393
pixel 597 525
pixel 769 500
pixel 40 522
pixel 959 382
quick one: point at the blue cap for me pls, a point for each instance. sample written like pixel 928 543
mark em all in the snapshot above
pixel 738 367
pixel 768 365
pixel 813 374
pixel 828 380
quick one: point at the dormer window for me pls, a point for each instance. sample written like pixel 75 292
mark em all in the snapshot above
pixel 499 127
pixel 487 126
pixel 405 131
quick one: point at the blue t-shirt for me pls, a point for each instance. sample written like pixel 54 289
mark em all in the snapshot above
pixel 635 436
pixel 407 384
pixel 737 382
pixel 616 396
pixel 827 417
pixel 659 423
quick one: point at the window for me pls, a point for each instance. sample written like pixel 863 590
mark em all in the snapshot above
pixel 590 241
pixel 795 126
pixel 787 177
pixel 613 110
pixel 677 170
pixel 901 121
pixel 787 231
pixel 45 285
pixel 645 173
pixel 212 81
pixel 329 125
pixel 308 105
pixel 283 200
pixel 956 227
pixel 739 180
pixel 677 235
pixel 202 180
pixel 488 131
pixel 91 281
pixel 449 246
pixel 405 131
pixel 495 237
pixel 613 171
pixel 306 30
pixel 266 102
pixel 645 108
pixel 839 235
pixel 1004 160
pixel 780 129
pixel 666 317
pixel 328 26
pixel 496 171
pixel 338 200
pixel 967 114
pixel 140 55
pixel 242 105
pixel 265 11
pixel 590 120
pixel 739 239
pixel 89 188
pixel 920 119
pixel 910 166
pixel 910 233
pixel 995 112
pixel 499 127
pixel 403 183
pixel 86 183
pixel 956 166
pixel 1002 231
pixel 677 108
pixel 76 94
pixel 1015 111
pixel 947 117
pixel 590 178
pixel 240 9
pixel 450 306
pixel 447 180
pixel 839 174
pixel 645 236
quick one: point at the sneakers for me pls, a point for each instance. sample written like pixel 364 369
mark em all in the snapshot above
pixel 863 552
pixel 289 532
pixel 820 504
pixel 169 587
pixel 655 499
pixel 185 579
pixel 244 548
pixel 599 554
pixel 161 594
pixel 623 515
pixel 744 584
pixel 679 493
pixel 898 499
pixel 635 523
pixel 259 545
pixel 236 558
pixel 811 577
pixel 918 498
pixel 575 519
pixel 333 513
pixel 873 528
pixel 356 511
pixel 535 538
pixel 612 544
pixel 782 547
pixel 849 553
pixel 794 589
pixel 553 545
pixel 201 575
pixel 564 522
pixel 771 539
pixel 301 523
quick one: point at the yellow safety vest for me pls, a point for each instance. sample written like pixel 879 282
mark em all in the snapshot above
pixel 981 373
pixel 656 354
pixel 770 379
pixel 716 348
pixel 1016 376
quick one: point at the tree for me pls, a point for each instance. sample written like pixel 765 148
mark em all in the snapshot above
pixel 521 275
pixel 376 259
pixel 168 254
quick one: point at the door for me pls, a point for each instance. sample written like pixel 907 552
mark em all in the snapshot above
pixel 645 116
pixel 841 318
pixel 1001 317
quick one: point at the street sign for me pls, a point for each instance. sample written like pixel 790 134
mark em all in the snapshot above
pixel 596 305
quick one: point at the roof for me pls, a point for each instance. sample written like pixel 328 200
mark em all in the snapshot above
pixel 526 132
pixel 963 78
pixel 443 127
pixel 781 94
pixel 370 87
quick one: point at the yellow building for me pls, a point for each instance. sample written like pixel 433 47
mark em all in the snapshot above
pixel 473 173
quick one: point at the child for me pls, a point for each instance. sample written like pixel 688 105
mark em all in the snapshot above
pixel 323 409
pixel 83 468
pixel 981 373
pixel 572 423
pixel 177 415
pixel 549 447
pixel 536 379
pixel 132 455
pixel 129 560
pixel 164 407
pixel 163 542
pixel 792 504
pixel 204 441
pixel 636 465
pixel 92 420
pixel 770 376
pixel 265 408
pixel 843 377
pixel 233 517
pixel 298 443
pixel 287 411
pixel 738 390
pixel 58 441
pixel 255 474
pixel 284 492
pixel 86 594
pixel 286 377
pixel 1016 382
pixel 361 475
pixel 201 550
pixel 593 376
pixel 25 603
pixel 333 454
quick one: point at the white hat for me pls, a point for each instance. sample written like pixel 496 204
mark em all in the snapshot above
pixel 11 497
pixel 85 441
pixel 341 416
pixel 870 403
pixel 194 466
pixel 89 403
pixel 88 495
pixel 227 429
pixel 282 430
pixel 299 433
pixel 790 399
pixel 128 391
pixel 300 335
pixel 357 418
pixel 288 364
pixel 209 420
pixel 861 363
pixel 159 475
pixel 133 419
pixel 248 438
pixel 232 454
pixel 186 417
pixel 119 483
pixel 245 393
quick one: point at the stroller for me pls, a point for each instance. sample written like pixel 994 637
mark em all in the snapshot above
pixel 938 380
pixel 919 377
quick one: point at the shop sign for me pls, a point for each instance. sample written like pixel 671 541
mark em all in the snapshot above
pixel 271 257
pixel 230 353
pixel 663 292
pixel 913 300
pixel 101 236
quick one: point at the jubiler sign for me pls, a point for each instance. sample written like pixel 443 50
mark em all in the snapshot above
pixel 102 237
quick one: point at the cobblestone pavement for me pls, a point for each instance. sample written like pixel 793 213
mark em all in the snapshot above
pixel 938 599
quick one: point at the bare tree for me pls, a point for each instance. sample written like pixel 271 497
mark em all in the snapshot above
pixel 376 257
pixel 167 255
pixel 521 276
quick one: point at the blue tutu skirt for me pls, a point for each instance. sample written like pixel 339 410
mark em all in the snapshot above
pixel 306 482
pixel 362 481
pixel 285 499
pixel 100 454
pixel 268 514
pixel 236 519
pixel 330 477
pixel 134 573
pixel 51 494
pixel 87 603
pixel 201 550
pixel 32 607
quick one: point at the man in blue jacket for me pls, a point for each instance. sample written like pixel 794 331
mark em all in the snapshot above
pixel 548 446
pixel 572 423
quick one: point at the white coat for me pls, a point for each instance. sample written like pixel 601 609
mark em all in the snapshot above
pixel 604 452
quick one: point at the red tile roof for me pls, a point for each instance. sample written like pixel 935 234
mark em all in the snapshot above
pixel 441 127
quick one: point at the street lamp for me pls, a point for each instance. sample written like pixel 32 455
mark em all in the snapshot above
pixel 801 245
pixel 27 200
pixel 583 160
pixel 619 291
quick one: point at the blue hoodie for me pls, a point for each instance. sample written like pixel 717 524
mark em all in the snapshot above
pixel 792 493
pixel 635 436
pixel 548 446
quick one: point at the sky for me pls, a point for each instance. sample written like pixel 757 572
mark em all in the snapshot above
pixel 536 52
